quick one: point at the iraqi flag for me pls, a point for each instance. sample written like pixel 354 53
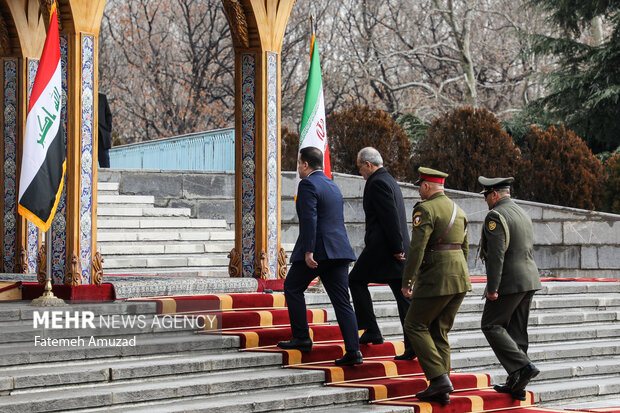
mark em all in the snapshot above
pixel 44 161
pixel 313 131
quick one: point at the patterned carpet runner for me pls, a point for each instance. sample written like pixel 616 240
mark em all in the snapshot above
pixel 261 320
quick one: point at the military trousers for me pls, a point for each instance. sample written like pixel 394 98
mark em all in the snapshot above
pixel 427 324
pixel 504 324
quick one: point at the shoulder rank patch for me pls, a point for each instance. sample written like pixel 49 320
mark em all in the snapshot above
pixel 417 218
pixel 492 225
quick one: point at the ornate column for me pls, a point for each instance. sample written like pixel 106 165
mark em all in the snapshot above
pixel 81 20
pixel 74 227
pixel 257 28
pixel 22 34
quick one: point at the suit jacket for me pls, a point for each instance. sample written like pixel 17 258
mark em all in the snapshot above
pixel 321 220
pixel 105 123
pixel 436 273
pixel 507 248
pixel 386 230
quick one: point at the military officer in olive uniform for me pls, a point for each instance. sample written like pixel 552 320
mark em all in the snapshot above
pixel 506 247
pixel 437 279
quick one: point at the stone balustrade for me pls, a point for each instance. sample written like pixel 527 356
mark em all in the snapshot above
pixel 568 241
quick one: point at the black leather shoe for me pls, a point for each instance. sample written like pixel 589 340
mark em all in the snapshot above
pixel 367 337
pixel 525 374
pixel 504 388
pixel 442 398
pixel 350 358
pixel 437 391
pixel 301 344
pixel 409 354
pixel 507 387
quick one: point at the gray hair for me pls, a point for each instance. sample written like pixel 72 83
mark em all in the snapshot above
pixel 370 154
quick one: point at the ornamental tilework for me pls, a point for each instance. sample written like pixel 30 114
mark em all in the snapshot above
pixel 9 164
pixel 32 238
pixel 272 164
pixel 248 181
pixel 86 172
pixel 59 224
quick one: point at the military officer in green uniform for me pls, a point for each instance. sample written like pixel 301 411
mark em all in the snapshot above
pixel 506 247
pixel 437 279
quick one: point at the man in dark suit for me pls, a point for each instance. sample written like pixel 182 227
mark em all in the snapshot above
pixel 386 242
pixel 105 132
pixel 507 249
pixel 322 249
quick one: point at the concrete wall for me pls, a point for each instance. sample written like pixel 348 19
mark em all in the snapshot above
pixel 568 241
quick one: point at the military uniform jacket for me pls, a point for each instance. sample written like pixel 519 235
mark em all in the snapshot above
pixel 386 230
pixel 507 249
pixel 437 272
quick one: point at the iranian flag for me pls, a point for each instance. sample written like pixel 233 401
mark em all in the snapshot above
pixel 313 131
pixel 43 160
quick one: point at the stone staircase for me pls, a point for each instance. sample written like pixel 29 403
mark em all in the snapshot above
pixel 136 237
pixel 574 336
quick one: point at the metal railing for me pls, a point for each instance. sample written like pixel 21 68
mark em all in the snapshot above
pixel 203 151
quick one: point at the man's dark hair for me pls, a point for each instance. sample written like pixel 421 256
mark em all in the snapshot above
pixel 313 156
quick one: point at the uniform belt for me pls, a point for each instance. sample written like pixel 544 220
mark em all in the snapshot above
pixel 444 247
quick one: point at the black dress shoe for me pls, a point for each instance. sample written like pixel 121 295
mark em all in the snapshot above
pixel 437 391
pixel 507 387
pixel 442 398
pixel 504 388
pixel 409 354
pixel 350 358
pixel 374 338
pixel 301 344
pixel 525 374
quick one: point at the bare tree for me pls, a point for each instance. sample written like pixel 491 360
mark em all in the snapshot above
pixel 168 67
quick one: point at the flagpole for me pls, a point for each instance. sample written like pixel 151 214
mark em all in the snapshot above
pixel 48 299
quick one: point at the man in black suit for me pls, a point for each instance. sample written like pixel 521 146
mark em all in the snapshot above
pixel 105 131
pixel 322 249
pixel 385 250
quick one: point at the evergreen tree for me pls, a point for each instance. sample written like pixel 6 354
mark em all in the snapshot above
pixel 584 87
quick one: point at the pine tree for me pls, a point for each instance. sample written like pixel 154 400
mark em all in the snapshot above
pixel 584 86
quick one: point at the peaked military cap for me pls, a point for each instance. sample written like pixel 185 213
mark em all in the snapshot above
pixel 493 184
pixel 430 175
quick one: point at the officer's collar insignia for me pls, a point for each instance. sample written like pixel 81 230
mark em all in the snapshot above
pixel 492 225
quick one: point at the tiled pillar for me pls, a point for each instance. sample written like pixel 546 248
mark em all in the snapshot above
pixel 9 70
pixel 257 30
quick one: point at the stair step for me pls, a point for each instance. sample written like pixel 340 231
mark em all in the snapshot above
pixel 484 358
pixel 48 375
pixel 297 397
pixel 549 392
pixel 103 212
pixel 108 186
pixel 27 353
pixel 140 248
pixel 561 370
pixel 171 235
pixel 167 260
pixel 172 222
pixel 126 199
pixel 155 389
pixel 215 271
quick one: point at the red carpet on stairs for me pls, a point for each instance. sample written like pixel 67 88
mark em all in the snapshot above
pixel 261 320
